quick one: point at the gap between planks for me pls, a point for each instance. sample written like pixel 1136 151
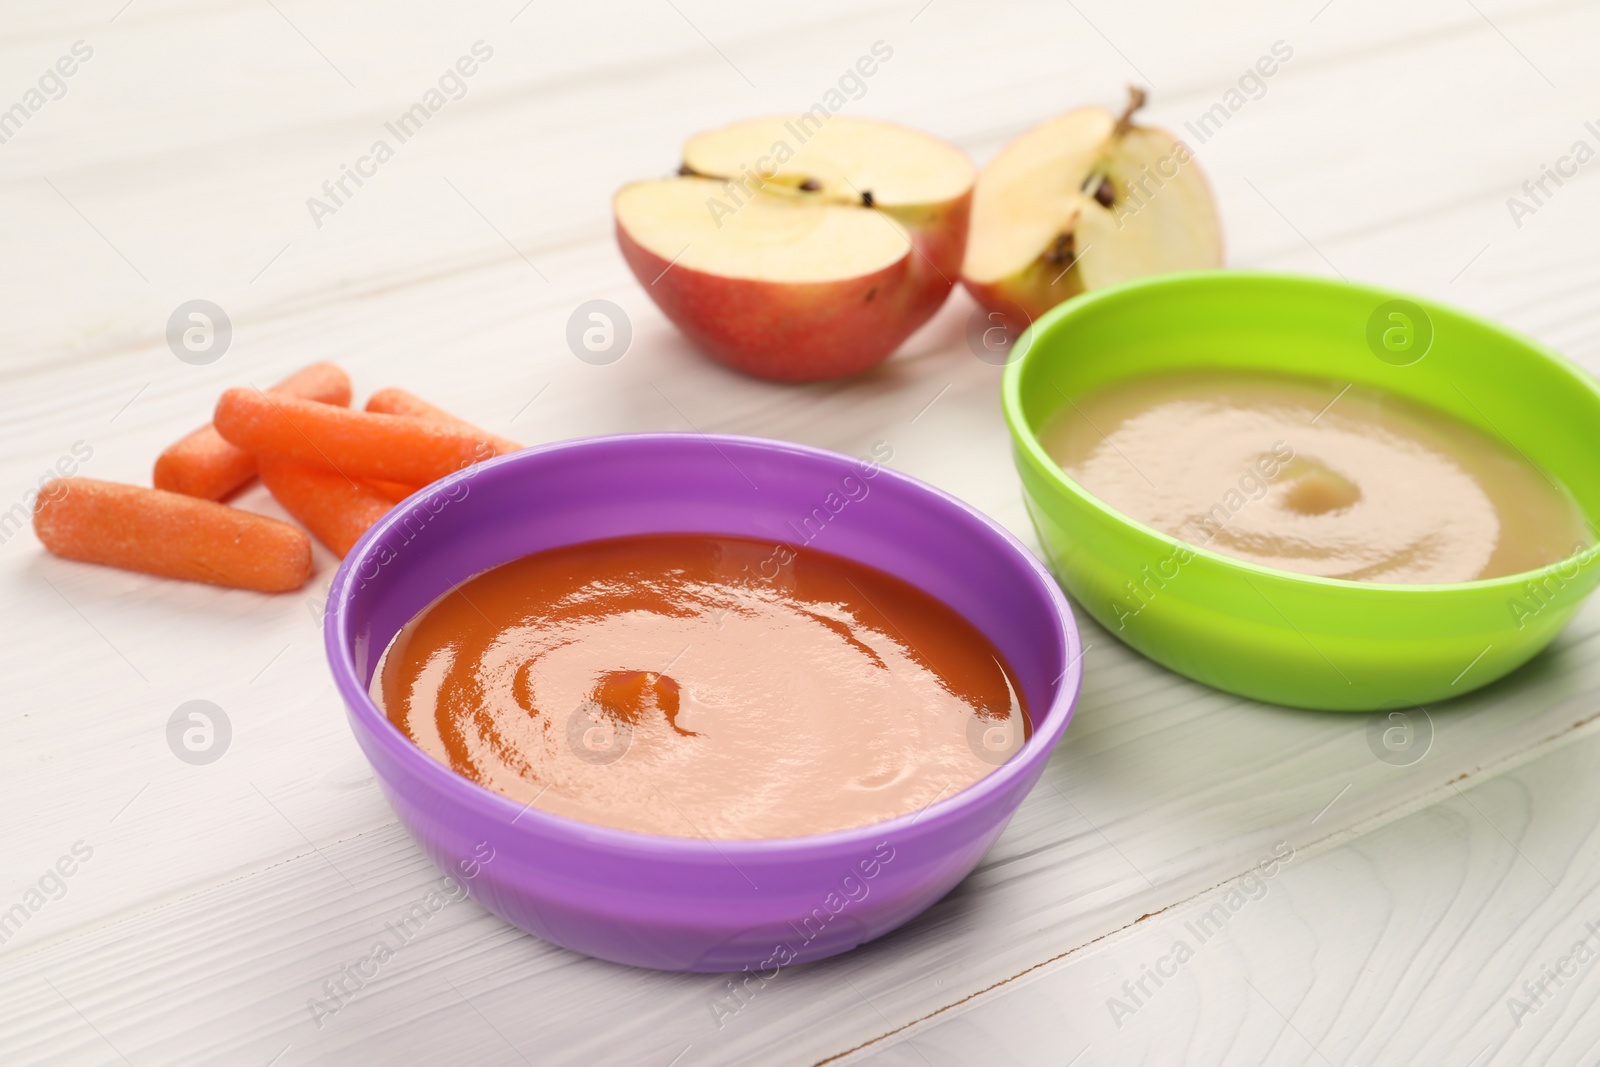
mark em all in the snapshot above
pixel 1586 727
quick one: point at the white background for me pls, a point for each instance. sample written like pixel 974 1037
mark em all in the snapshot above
pixel 219 898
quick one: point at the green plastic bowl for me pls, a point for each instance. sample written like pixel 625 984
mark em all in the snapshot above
pixel 1274 635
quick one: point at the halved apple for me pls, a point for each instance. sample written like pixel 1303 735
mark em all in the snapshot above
pixel 797 248
pixel 1085 200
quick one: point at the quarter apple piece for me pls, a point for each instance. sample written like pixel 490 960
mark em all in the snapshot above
pixel 1082 201
pixel 796 248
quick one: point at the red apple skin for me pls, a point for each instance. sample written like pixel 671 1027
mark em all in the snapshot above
pixel 810 331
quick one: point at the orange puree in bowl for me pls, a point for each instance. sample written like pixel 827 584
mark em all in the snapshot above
pixel 665 684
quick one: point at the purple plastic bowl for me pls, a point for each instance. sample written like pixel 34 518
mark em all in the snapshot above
pixel 687 904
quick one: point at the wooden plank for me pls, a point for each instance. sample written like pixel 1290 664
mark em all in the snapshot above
pixel 1466 932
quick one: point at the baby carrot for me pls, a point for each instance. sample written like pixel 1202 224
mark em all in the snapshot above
pixel 204 465
pixel 358 444
pixel 400 402
pixel 335 509
pixel 394 492
pixel 175 536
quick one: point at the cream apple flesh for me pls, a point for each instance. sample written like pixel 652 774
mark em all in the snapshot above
pixel 1085 200
pixel 797 249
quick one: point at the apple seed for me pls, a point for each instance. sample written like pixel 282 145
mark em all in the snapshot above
pixel 1061 251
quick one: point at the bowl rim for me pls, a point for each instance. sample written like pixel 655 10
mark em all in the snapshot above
pixel 1026 440
pixel 502 810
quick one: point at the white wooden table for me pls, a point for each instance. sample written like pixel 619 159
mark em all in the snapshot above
pixel 217 900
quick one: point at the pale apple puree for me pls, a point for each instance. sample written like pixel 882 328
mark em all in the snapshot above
pixel 700 686
pixel 1310 476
